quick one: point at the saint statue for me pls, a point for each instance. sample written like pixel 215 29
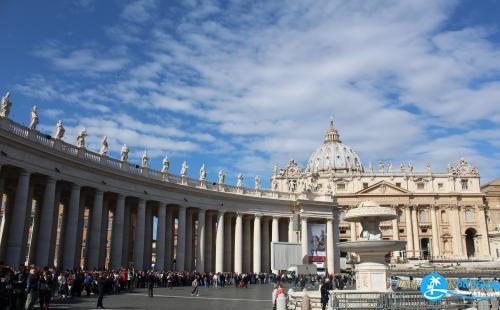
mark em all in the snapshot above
pixel 380 166
pixel 450 168
pixel 275 169
pixel 239 183
pixel 80 139
pixel 165 165
pixel 222 177
pixel 104 147
pixel 203 173
pixel 428 167
pixel 6 105
pixel 145 159
pixel 370 167
pixel 389 167
pixel 402 167
pixel 410 166
pixel 257 182
pixel 59 130
pixel 184 169
pixel 33 119
pixel 124 153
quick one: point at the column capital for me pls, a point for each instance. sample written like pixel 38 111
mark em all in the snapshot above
pixel 201 210
pixel 75 186
pixel 24 172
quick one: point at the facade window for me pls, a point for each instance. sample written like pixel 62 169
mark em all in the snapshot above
pixel 444 217
pixel 469 216
pixel 421 185
pixel 365 185
pixel 398 184
pixel 465 185
pixel 401 218
pixel 402 231
pixel 440 186
pixel 422 216
pixel 341 186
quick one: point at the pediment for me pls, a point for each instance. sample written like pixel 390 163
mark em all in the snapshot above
pixel 383 188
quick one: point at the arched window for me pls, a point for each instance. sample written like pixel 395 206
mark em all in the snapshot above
pixel 469 216
pixel 444 216
pixel 422 216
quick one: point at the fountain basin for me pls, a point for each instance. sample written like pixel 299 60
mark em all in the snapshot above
pixel 367 246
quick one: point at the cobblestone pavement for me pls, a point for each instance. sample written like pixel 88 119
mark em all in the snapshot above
pixel 254 297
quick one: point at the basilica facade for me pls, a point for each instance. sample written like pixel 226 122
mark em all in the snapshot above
pixel 66 206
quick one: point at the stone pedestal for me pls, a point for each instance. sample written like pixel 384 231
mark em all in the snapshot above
pixel 372 277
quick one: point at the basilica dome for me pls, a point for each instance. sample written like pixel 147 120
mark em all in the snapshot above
pixel 333 155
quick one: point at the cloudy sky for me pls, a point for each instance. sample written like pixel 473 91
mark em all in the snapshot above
pixel 239 86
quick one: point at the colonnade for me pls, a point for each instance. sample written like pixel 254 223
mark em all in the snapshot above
pixel 51 222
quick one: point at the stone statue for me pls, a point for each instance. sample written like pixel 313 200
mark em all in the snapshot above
pixel 33 119
pixel 145 159
pixel 184 169
pixel 257 182
pixel 6 104
pixel 239 183
pixel 80 139
pixel 428 167
pixel 410 166
pixel 275 169
pixel 389 167
pixel 59 130
pixel 450 168
pixel 222 177
pixel 402 167
pixel 104 146
pixel 203 173
pixel 370 167
pixel 380 166
pixel 124 153
pixel 166 165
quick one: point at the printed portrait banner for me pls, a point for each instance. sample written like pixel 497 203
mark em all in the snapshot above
pixel 316 241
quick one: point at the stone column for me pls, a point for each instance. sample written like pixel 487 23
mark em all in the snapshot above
pixel 416 238
pixel 17 235
pixel 303 240
pixel 266 257
pixel 118 232
pixel 181 240
pixel 126 235
pixel 275 234
pixel 457 236
pixel 291 232
pixel 483 230
pixel 256 245
pixel 160 237
pixel 208 248
pixel 200 255
pixel 96 231
pixel 73 230
pixel 409 233
pixel 435 233
pixel 5 200
pixel 336 240
pixel 219 243
pixel 395 231
pixel 238 244
pixel 169 239
pixel 330 246
pixel 188 261
pixel 228 249
pixel 46 224
pixel 247 250
pixel 148 238
pixel 140 231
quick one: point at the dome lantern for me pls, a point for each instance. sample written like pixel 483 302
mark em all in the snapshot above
pixel 332 135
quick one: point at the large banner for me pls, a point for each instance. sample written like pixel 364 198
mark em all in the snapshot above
pixel 317 241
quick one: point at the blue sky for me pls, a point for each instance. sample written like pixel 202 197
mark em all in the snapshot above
pixel 242 85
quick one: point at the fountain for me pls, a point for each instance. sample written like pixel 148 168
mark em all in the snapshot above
pixel 372 271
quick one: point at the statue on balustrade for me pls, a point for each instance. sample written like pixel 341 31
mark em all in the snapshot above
pixel 402 167
pixel 104 146
pixel 222 177
pixel 428 167
pixel 80 139
pixel 145 159
pixel 59 130
pixel 389 167
pixel 184 169
pixel 380 166
pixel 203 173
pixel 166 165
pixel 33 119
pixel 257 182
pixel 6 105
pixel 370 167
pixel 239 183
pixel 124 153
pixel 275 169
pixel 410 166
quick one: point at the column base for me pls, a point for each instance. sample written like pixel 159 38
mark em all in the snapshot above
pixel 372 277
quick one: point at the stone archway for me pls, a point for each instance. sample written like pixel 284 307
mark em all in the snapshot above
pixel 470 236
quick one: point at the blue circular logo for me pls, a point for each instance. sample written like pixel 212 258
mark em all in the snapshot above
pixel 434 287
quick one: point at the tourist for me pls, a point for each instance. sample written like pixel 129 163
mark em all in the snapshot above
pixel 194 284
pixel 325 294
pixel 45 293
pixel 151 283
pixel 100 289
pixel 32 289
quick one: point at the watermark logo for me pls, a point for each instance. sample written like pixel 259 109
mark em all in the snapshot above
pixel 434 287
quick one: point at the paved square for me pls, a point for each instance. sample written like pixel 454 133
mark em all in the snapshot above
pixel 255 297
